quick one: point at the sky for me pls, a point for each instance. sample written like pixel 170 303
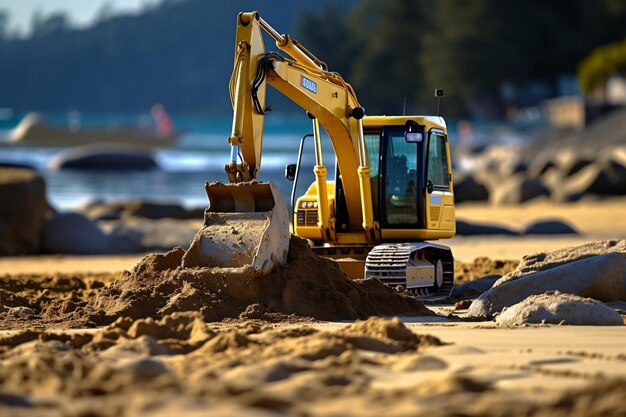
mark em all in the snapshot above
pixel 81 12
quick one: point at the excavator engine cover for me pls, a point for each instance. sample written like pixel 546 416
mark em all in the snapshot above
pixel 246 224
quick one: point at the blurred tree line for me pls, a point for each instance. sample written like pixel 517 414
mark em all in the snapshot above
pixel 180 52
pixel 177 52
pixel 404 49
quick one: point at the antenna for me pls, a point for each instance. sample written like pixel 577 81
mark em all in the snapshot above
pixel 404 107
pixel 438 94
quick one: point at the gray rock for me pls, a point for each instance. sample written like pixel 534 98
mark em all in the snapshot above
pixel 23 208
pixel 474 288
pixel 556 308
pixel 542 261
pixel 115 210
pixel 601 277
pixel 21 311
pixel 105 158
pixel 467 188
pixel 548 227
pixel 73 233
pixel 518 189
pixel 541 164
pixel 141 235
pixel 604 178
pixel 469 229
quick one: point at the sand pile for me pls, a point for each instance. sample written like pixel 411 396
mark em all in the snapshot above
pixel 308 286
pixel 480 267
pixel 180 365
pixel 558 308
pixel 47 300
pixel 595 270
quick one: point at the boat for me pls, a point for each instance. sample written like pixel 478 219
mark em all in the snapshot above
pixel 34 131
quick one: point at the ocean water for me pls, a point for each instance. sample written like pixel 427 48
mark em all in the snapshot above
pixel 199 156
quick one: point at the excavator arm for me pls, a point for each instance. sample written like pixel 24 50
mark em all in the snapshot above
pixel 247 222
pixel 328 99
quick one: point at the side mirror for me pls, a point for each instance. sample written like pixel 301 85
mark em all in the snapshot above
pixel 430 187
pixel 290 171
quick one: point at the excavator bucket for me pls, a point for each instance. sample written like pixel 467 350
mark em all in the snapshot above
pixel 246 224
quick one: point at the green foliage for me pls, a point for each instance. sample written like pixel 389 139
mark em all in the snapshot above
pixel 179 52
pixel 407 48
pixel 598 66
pixel 4 24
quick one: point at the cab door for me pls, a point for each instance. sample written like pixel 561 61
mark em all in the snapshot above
pixel 439 196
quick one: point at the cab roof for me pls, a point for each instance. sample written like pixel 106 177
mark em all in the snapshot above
pixel 428 121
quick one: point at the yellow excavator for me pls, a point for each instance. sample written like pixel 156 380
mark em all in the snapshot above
pixel 392 190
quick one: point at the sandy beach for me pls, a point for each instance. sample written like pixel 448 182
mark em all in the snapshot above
pixel 267 363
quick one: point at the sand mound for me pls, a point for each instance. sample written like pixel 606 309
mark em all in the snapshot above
pixel 307 286
pixel 558 308
pixel 596 270
pixel 480 267
pixel 181 366
pixel 131 367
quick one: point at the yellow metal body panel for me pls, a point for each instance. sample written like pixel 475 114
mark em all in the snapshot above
pixel 330 100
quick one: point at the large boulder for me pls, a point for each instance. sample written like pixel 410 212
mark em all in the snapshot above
pixel 558 308
pixel 464 228
pixel 518 189
pixel 467 188
pixel 541 164
pixel 97 157
pixel 596 270
pixel 116 210
pixel 473 289
pixel 73 233
pixel 142 235
pixel 23 208
pixel 606 177
pixel 548 227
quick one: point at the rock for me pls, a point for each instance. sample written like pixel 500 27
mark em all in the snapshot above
pixel 594 270
pixel 512 168
pixel 574 165
pixel 115 210
pixel 474 288
pixel 469 229
pixel 542 261
pixel 142 235
pixel 23 208
pixel 555 307
pixel 619 306
pixel 541 164
pixel 21 311
pixel 517 189
pixel 73 233
pixel 604 178
pixel 105 158
pixel 548 227
pixel 467 188
pixel 155 210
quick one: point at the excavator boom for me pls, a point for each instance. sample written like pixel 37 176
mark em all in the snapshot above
pixel 330 102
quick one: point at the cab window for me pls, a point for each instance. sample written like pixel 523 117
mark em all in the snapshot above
pixel 400 180
pixel 437 161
